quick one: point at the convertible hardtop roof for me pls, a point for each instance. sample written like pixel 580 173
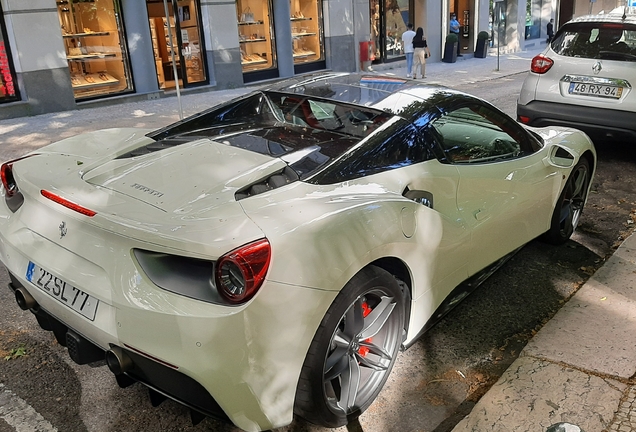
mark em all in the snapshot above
pixel 386 93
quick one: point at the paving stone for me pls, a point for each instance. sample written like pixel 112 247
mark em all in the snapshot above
pixel 532 395
pixel 595 330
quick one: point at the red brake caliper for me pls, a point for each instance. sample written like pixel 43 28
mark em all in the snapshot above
pixel 366 310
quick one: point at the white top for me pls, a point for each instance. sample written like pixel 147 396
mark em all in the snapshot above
pixel 407 41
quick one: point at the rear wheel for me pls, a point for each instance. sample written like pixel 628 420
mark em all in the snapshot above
pixel 569 207
pixel 353 351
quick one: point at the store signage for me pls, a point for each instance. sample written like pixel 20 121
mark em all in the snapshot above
pixel 6 84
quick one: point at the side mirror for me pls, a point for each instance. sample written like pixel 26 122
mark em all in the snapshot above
pixel 560 157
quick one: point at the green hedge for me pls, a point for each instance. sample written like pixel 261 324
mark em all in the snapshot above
pixel 451 38
pixel 482 35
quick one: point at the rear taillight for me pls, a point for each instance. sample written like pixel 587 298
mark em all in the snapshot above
pixel 239 274
pixel 541 64
pixel 8 181
pixel 68 204
pixel 6 172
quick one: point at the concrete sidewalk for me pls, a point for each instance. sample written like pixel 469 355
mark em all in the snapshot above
pixel 467 69
pixel 579 368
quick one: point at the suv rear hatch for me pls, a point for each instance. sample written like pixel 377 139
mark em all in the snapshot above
pixel 594 63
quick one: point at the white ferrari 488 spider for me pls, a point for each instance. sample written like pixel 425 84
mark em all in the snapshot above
pixel 273 254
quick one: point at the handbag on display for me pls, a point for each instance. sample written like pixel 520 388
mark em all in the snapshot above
pixel 247 15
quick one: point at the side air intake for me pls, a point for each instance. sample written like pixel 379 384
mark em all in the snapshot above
pixel 282 178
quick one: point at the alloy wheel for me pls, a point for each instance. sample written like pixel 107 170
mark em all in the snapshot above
pixel 362 349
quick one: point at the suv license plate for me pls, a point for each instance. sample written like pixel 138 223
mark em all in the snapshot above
pixel 597 90
pixel 63 292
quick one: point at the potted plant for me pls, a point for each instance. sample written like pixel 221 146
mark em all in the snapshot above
pixel 450 48
pixel 482 45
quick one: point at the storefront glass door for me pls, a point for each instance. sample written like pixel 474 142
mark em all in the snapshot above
pixel 183 24
pixel 388 21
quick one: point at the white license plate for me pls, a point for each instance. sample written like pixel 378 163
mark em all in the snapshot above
pixel 62 291
pixel 597 90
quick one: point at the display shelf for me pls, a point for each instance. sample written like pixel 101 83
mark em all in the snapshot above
pixel 303 34
pixel 98 80
pixel 253 40
pixel 246 23
pixel 300 19
pixel 253 62
pixel 91 56
pixel 304 54
pixel 85 34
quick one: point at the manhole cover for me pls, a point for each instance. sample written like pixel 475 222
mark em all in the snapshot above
pixel 564 427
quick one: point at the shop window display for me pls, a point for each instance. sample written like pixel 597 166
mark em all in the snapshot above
pixel 306 20
pixel 388 22
pixel 8 86
pixel 255 35
pixel 95 47
pixel 375 27
pixel 533 19
pixel 396 17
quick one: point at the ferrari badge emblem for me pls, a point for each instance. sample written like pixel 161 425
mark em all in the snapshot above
pixel 62 229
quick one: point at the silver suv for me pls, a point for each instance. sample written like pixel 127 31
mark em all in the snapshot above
pixel 585 77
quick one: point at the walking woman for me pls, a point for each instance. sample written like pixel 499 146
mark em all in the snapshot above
pixel 420 53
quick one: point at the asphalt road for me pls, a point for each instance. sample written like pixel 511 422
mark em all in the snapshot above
pixel 434 384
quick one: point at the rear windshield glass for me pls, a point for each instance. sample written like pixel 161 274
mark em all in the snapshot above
pixel 266 109
pixel 597 40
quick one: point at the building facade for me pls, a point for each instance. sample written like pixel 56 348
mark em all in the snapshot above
pixel 58 55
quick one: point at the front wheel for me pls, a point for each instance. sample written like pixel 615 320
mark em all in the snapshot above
pixel 353 351
pixel 569 207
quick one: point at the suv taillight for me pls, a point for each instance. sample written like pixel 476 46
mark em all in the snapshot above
pixel 541 64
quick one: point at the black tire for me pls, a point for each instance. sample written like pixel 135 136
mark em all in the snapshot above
pixel 347 347
pixel 569 206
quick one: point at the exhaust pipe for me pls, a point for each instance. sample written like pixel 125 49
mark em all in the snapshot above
pixel 118 361
pixel 24 299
